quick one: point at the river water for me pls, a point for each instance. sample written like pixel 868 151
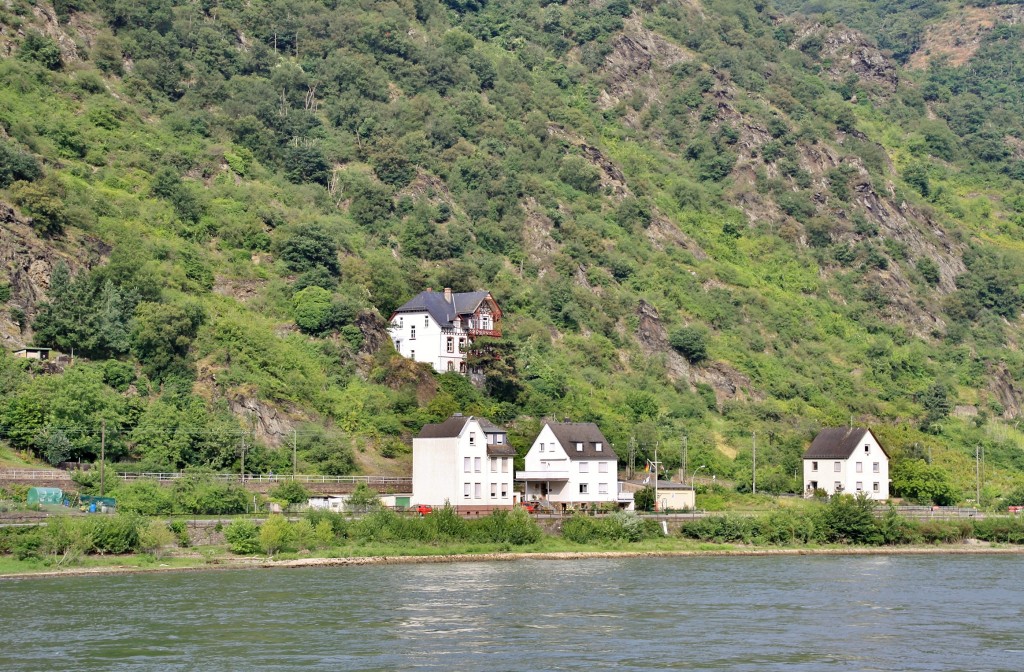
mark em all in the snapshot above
pixel 698 613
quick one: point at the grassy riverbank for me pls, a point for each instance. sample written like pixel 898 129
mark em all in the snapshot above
pixel 549 548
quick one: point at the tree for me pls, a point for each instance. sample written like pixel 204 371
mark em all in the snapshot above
pixel 643 499
pixel 363 498
pixel 40 49
pixel 920 482
pixel 17 165
pixel 275 534
pixel 690 342
pixel 291 492
pixel 851 520
pixel 308 246
pixel 162 335
pixel 313 310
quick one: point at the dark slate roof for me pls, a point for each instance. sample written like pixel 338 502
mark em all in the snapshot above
pixel 500 450
pixel 490 427
pixel 837 443
pixel 449 428
pixel 587 433
pixel 443 312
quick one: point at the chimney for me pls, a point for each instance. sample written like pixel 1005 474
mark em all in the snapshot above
pixel 430 289
pixel 448 294
pixel 456 415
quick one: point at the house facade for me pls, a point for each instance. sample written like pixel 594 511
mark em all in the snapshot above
pixel 572 465
pixel 847 460
pixel 437 328
pixel 465 462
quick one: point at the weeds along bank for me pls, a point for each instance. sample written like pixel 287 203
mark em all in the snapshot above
pixel 66 542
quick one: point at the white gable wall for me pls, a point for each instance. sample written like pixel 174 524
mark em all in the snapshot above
pixel 443 468
pixel 855 474
pixel 548 455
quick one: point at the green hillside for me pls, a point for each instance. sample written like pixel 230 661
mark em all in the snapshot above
pixel 700 219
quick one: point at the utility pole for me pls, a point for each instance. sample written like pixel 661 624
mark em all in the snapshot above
pixel 655 465
pixel 632 454
pixel 242 475
pixel 103 451
pixel 754 440
pixel 682 479
pixel 295 463
pixel 977 476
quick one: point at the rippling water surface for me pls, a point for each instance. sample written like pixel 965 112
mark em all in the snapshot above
pixel 741 613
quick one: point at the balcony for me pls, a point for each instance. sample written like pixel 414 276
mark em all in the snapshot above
pixel 493 333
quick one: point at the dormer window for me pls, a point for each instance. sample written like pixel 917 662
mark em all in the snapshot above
pixel 579 447
pixel 598 447
pixel 500 438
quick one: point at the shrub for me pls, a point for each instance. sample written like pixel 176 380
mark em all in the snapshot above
pixel 580 529
pixel 514 527
pixel 243 537
pixel 292 492
pixel 155 537
pixel 643 499
pixel 276 535
pixel 117 534
pixel 690 342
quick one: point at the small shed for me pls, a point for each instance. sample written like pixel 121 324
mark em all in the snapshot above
pixel 41 354
pixel 45 496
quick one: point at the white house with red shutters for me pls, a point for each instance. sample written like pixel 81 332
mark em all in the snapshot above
pixel 437 328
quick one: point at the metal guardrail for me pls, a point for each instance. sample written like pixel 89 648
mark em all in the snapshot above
pixel 55 475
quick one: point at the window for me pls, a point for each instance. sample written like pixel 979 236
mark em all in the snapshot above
pixel 839 466
pixel 451 344
pixel 860 467
pixel 412 333
pixel 874 486
pixel 602 488
pixel 462 367
pixel 867 447
pixel 504 465
pixel 579 447
pixel 499 439
pixel 602 467
pixel 542 447
pixel 465 465
pixel 494 490
pixel 462 345
pixel 412 354
pixel 472 439
pixel 584 467
pixel 860 486
pixel 494 465
pixel 597 446
pixel 426 320
pixel 476 464
pixel 465 490
pixel 451 365
pixel 838 487
pixel 874 467
pixel 584 488
pixel 400 325
pixel 504 490
pixel 814 466
pixel 477 491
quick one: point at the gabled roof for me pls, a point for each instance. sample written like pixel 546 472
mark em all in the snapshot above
pixel 587 433
pixel 442 310
pixel 453 426
pixel 838 443
pixel 450 428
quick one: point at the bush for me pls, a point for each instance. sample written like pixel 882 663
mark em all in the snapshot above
pixel 643 499
pixel 155 537
pixel 690 342
pixel 291 492
pixel 276 535
pixel 514 527
pixel 117 534
pixel 243 537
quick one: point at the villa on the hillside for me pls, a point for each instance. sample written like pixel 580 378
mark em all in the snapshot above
pixel 847 460
pixel 572 465
pixel 465 462
pixel 437 327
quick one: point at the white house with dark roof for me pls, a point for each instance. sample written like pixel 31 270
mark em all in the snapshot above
pixel 847 460
pixel 572 465
pixel 437 327
pixel 464 461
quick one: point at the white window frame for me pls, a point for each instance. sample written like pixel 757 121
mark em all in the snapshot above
pixel 467 466
pixel 584 467
pixel 838 466
pixel 478 492
pixel 602 488
pixel 814 465
pixel 476 465
pixel 860 467
pixel 465 490
pixel 584 488
pixel 602 467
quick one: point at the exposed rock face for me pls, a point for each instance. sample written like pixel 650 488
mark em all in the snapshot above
pixel 269 425
pixel 726 381
pixel 1006 390
pixel 958 37
pixel 374 331
pixel 848 52
pixel 612 179
pixel 26 262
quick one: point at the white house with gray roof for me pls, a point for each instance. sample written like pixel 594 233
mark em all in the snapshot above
pixel 464 461
pixel 437 327
pixel 572 465
pixel 847 460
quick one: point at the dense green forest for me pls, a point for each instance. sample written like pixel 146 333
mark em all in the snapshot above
pixel 700 219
